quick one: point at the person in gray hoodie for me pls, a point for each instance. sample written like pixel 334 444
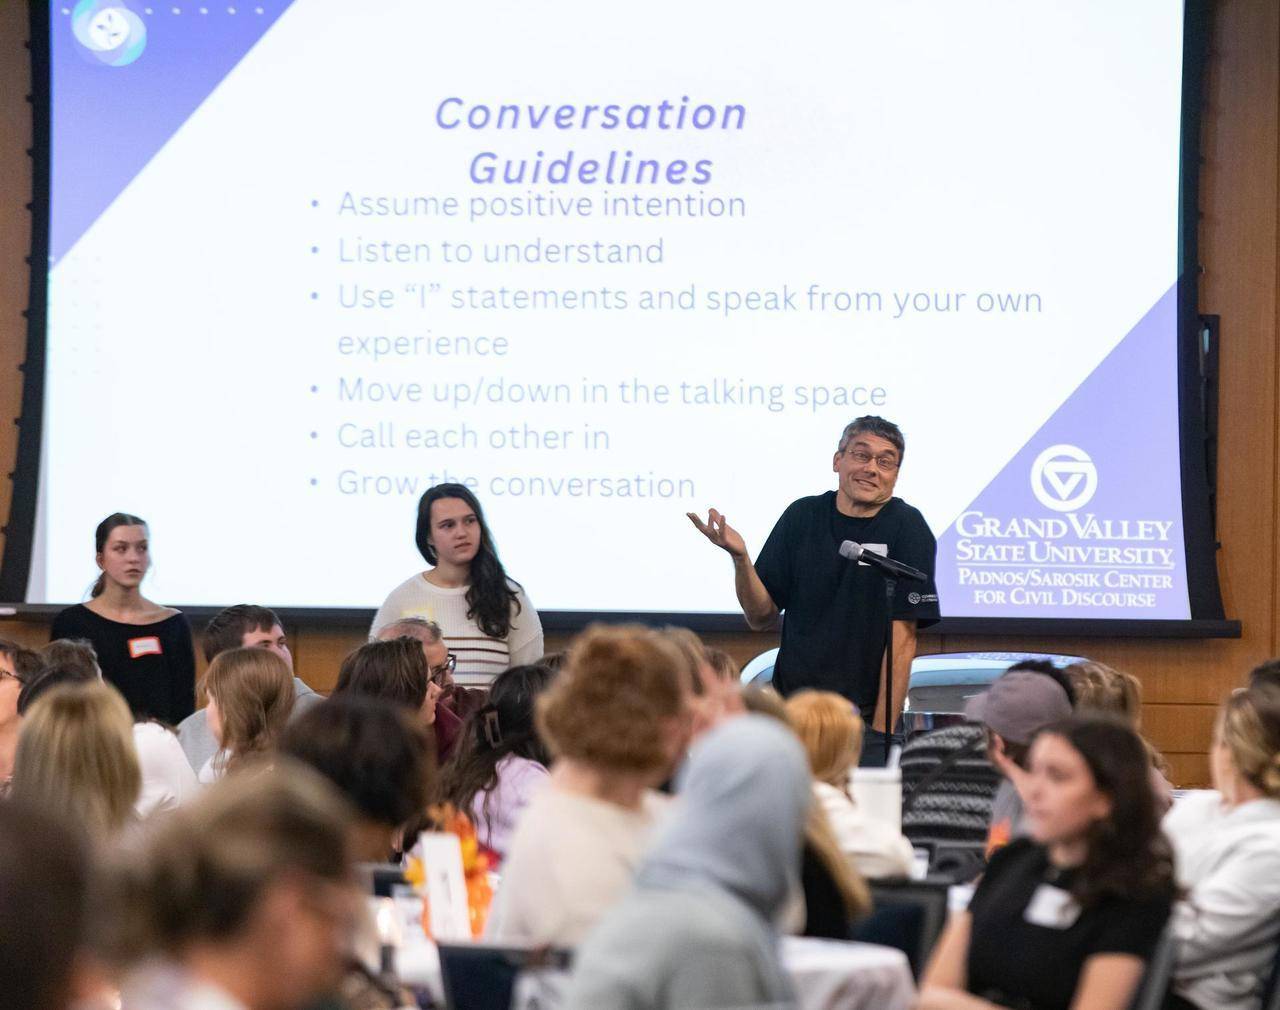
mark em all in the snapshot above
pixel 698 929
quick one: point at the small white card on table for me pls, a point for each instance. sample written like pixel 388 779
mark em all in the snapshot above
pixel 446 886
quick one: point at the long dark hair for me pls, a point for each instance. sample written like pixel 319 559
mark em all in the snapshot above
pixel 503 726
pixel 489 596
pixel 100 537
pixel 1128 855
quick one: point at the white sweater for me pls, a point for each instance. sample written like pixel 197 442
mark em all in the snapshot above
pixel 480 658
pixel 571 860
pixel 874 848
pixel 1229 923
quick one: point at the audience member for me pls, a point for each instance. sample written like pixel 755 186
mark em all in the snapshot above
pixel 1020 702
pixel 441 663
pixel 710 698
pixel 18 668
pixel 240 899
pixel 1227 844
pixel 453 703
pixel 834 893
pixel 249 697
pixel 616 721
pixel 76 758
pixel 167 779
pixel 1099 688
pixel 554 661
pixel 830 729
pixel 241 626
pixel 395 671
pixel 1267 672
pixel 378 756
pixel 144 649
pixel 487 619
pixel 44 881
pixel 725 680
pixel 723 666
pixel 72 655
pixel 501 760
pixel 1068 916
pixel 698 930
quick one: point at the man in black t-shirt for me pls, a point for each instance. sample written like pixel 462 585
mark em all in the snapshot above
pixel 833 634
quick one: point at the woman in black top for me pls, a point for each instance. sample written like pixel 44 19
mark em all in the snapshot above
pixel 144 649
pixel 1065 919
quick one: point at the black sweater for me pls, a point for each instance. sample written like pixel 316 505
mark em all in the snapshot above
pixel 152 665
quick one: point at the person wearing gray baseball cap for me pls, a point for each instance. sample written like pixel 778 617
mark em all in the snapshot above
pixel 1020 702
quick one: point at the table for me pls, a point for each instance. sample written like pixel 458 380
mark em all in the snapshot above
pixel 827 975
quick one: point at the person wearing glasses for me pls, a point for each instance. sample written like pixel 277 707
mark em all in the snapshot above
pixel 441 664
pixel 17 667
pixel 833 637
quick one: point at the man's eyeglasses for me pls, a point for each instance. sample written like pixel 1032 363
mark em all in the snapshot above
pixel 9 673
pixel 445 669
pixel 885 462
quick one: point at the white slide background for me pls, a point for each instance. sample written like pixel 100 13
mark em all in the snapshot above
pixel 918 146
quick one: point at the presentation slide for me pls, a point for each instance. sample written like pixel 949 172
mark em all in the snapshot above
pixel 607 265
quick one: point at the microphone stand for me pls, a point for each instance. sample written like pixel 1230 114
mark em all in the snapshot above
pixel 890 590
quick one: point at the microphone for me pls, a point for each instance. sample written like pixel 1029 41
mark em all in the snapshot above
pixel 887 566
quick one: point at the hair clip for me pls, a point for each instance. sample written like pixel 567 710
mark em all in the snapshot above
pixel 492 726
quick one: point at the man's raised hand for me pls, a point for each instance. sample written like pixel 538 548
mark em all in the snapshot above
pixel 719 532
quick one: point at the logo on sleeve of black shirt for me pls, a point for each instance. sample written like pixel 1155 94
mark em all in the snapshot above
pixel 918 598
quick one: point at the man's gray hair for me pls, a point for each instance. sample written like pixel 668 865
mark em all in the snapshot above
pixel 870 424
pixel 410 627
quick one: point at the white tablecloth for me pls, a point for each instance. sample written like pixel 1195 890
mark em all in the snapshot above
pixel 827 976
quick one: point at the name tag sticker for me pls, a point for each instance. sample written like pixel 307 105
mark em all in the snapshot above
pixel 148 646
pixel 1052 907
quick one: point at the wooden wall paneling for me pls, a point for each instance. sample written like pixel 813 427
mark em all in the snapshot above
pixel 15 231
pixel 1240 251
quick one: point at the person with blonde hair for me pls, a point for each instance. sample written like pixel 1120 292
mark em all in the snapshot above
pixel 831 730
pixel 1100 688
pixel 243 898
pixel 249 696
pixel 76 758
pixel 835 894
pixel 1227 848
pixel 616 720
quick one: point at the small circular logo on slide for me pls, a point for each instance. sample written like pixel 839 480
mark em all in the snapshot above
pixel 1064 478
pixel 108 31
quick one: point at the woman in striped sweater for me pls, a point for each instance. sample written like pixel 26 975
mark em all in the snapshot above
pixel 486 619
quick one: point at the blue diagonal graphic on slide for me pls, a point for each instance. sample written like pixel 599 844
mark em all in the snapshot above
pixel 1090 504
pixel 187 50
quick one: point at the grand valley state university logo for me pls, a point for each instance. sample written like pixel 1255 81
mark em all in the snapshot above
pixel 1064 478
